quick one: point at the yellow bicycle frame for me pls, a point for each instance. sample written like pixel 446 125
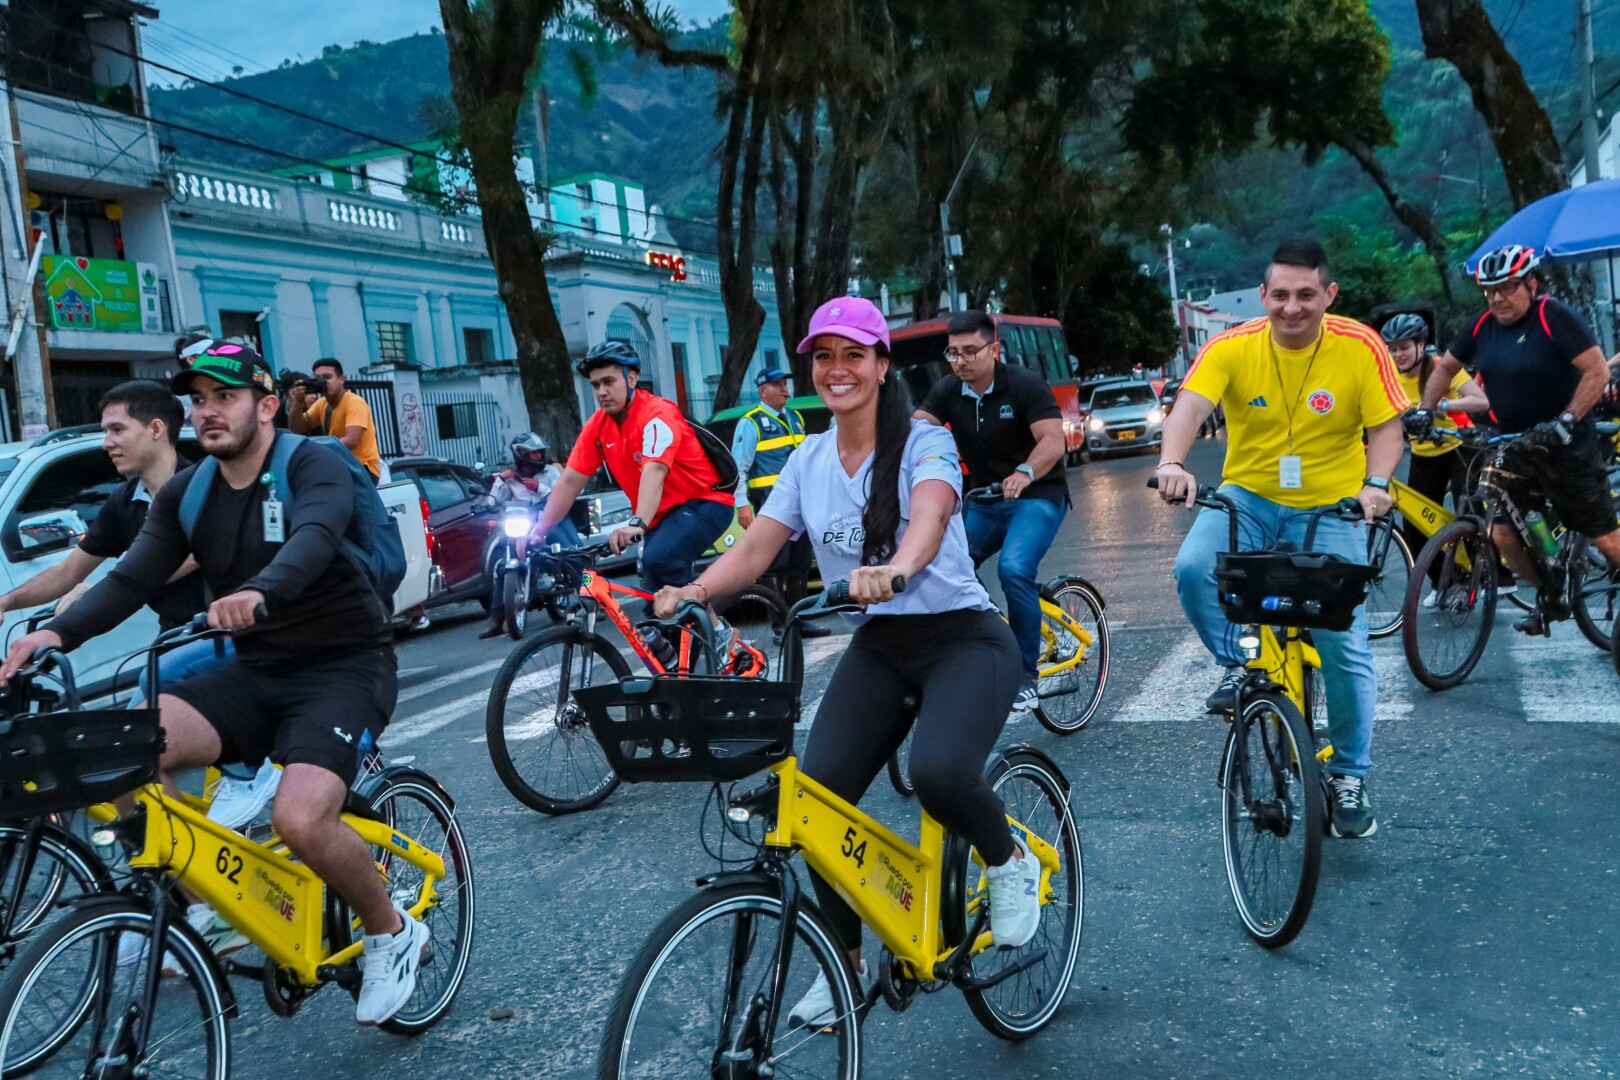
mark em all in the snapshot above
pixel 1284 661
pixel 896 888
pixel 1051 611
pixel 276 903
pixel 1429 516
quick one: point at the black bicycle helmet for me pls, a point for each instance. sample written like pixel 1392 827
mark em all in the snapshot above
pixel 1405 327
pixel 1506 264
pixel 609 352
pixel 528 449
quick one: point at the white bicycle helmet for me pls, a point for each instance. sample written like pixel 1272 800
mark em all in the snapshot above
pixel 1505 264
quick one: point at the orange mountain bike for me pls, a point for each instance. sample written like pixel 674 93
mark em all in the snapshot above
pixel 539 739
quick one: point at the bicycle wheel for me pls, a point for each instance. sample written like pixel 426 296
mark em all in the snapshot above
pixel 1272 837
pixel 758 614
pixel 695 1000
pixel 539 740
pixel 1444 642
pixel 900 767
pixel 515 595
pixel 1069 698
pixel 1386 596
pixel 416 806
pixel 1316 704
pixel 64 869
pixel 67 1003
pixel 1594 591
pixel 1036 794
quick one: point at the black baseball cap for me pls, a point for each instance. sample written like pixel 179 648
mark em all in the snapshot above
pixel 770 375
pixel 229 363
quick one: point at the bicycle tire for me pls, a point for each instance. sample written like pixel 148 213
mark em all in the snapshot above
pixel 70 861
pixel 456 909
pixel 1316 706
pixel 900 768
pixel 515 595
pixel 640 994
pixel 1063 832
pixel 1064 717
pixel 100 924
pixel 1594 592
pixel 1386 595
pixel 568 722
pixel 1463 593
pixel 1304 813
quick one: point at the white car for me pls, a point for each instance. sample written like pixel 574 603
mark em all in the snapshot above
pixel 53 487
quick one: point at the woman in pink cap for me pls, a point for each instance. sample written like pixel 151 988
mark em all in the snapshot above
pixel 879 497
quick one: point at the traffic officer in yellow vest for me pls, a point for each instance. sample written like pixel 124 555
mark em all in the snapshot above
pixel 766 437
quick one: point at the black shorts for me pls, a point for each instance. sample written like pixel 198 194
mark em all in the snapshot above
pixel 326 714
pixel 1572 478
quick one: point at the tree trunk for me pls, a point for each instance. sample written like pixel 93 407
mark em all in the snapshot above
pixel 1460 31
pixel 793 158
pixel 1412 216
pixel 491 49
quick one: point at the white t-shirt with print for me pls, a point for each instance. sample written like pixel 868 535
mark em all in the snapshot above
pixel 814 496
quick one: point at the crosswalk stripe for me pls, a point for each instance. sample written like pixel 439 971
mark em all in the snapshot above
pixel 411 728
pixel 1564 680
pixel 449 680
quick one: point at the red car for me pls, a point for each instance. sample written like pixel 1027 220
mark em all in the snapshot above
pixel 463 523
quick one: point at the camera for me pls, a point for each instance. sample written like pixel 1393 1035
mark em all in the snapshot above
pixel 316 384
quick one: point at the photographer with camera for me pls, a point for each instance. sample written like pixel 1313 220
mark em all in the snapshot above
pixel 323 405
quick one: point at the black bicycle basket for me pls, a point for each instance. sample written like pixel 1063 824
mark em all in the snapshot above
pixel 1312 590
pixel 51 762
pixel 691 728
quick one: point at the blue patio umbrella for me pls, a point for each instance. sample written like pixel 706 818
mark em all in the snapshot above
pixel 1572 226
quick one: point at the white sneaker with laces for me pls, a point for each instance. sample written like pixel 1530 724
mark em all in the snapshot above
pixel 1026 699
pixel 1432 600
pixel 391 962
pixel 816 1007
pixel 1015 902
pixel 220 936
pixel 238 802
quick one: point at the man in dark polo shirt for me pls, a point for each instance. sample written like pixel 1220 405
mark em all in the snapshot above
pixel 1009 431
pixel 140 425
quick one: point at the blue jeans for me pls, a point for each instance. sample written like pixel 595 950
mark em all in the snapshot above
pixel 1347 664
pixel 1022 530
pixel 686 532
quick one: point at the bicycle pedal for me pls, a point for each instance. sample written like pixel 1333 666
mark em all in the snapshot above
pixel 968 981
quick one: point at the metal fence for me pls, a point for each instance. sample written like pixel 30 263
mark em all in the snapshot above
pixel 380 396
pixel 465 428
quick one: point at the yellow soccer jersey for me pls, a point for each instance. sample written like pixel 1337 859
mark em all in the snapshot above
pixel 1442 421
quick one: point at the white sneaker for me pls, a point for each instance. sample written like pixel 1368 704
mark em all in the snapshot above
pixel 390 962
pixel 237 802
pixel 1015 902
pixel 1026 699
pixel 220 936
pixel 132 950
pixel 816 1007
pixel 1432 601
pixel 420 623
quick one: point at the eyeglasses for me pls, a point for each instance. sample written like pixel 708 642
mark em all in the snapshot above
pixel 955 355
pixel 1503 289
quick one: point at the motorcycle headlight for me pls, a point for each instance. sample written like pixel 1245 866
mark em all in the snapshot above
pixel 516 525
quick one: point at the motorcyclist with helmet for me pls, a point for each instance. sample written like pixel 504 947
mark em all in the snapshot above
pixel 1544 372
pixel 1437 464
pixel 652 453
pixel 529 482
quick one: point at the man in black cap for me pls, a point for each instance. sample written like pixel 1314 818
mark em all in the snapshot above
pixel 765 438
pixel 314 679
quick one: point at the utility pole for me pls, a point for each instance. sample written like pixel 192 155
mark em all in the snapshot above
pixel 1175 302
pixel 953 251
pixel 1589 115
pixel 25 339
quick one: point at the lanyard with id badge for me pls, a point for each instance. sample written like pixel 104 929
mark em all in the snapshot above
pixel 275 521
pixel 1290 469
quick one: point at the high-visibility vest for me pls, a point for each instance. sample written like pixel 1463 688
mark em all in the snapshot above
pixel 777 441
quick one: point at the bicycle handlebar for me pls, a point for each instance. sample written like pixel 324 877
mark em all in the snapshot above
pixel 1344 509
pixel 988 493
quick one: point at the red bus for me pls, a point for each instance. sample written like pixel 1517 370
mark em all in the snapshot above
pixel 918 351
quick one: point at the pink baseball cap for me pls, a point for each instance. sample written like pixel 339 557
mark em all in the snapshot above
pixel 848 317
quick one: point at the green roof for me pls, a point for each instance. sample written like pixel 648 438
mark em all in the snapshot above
pixel 809 401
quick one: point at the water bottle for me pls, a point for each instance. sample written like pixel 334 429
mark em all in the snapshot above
pixel 1280 604
pixel 1536 526
pixel 658 645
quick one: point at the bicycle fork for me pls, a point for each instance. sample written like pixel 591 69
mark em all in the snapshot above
pixel 752 1047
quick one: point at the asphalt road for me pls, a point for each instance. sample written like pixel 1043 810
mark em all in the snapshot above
pixel 1475 934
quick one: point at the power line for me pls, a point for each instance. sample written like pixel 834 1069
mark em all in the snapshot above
pixel 300 114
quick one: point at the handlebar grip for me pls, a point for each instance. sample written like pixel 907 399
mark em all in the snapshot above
pixel 260 613
pixel 836 594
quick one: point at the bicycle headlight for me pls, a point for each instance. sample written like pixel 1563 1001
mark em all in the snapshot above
pixel 1249 645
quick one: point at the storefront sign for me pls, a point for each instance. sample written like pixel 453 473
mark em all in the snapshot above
pixel 663 260
pixel 109 295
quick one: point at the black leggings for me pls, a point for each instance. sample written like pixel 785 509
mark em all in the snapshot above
pixel 1432 477
pixel 964 668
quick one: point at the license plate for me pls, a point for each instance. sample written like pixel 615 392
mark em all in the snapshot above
pixel 1123 435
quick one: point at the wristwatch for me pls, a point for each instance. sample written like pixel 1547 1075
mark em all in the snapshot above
pixel 635 523
pixel 1378 482
pixel 1027 469
pixel 1567 418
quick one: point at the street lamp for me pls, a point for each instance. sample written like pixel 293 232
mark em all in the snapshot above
pixel 953 241
pixel 1175 302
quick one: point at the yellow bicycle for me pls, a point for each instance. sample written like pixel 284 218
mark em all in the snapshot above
pixel 80 1002
pixel 709 994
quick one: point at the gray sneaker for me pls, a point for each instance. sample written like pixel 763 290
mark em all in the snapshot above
pixel 1026 699
pixel 1349 811
pixel 1221 698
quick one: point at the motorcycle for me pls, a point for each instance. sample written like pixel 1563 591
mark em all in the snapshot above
pixel 519 584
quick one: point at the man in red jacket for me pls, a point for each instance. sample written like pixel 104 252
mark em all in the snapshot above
pixel 652 454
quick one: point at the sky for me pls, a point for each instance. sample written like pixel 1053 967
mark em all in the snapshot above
pixel 214 37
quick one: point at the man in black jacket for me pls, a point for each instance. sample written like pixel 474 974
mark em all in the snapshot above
pixel 314 680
